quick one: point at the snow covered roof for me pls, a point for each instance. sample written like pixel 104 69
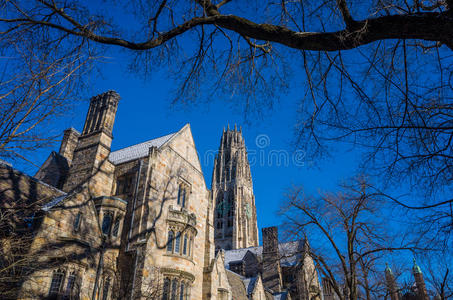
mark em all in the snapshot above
pixel 290 253
pixel 138 150
pixel 250 284
pixel 281 296
pixel 53 202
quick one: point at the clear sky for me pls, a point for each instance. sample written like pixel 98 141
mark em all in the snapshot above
pixel 145 112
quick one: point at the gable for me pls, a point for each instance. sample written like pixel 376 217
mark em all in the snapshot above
pixel 237 286
pixel 183 143
pixel 54 171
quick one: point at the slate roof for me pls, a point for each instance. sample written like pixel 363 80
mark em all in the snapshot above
pixel 237 286
pixel 290 252
pixel 55 201
pixel 250 284
pixel 138 150
pixel 281 296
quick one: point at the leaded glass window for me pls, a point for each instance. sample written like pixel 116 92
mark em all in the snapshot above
pixel 177 242
pixel 57 282
pixel 170 241
pixel 184 247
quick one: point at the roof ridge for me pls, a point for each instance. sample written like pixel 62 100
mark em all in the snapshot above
pixel 138 150
pixel 147 141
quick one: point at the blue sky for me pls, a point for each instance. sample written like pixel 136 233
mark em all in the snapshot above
pixel 145 112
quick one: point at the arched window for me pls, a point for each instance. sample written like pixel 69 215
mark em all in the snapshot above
pixel 184 246
pixel 166 289
pixel 170 241
pixel 57 282
pixel 116 226
pixel 219 225
pixel 181 291
pixel 177 242
pixel 174 289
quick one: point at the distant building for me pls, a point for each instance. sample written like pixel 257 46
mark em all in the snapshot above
pixel 417 291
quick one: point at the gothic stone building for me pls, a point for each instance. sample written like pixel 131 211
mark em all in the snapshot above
pixel 140 222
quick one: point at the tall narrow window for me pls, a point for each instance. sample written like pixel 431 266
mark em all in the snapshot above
pixel 182 194
pixel 57 282
pixel 177 242
pixel 166 289
pixel 77 221
pixel 187 295
pixel 116 226
pixel 106 222
pixel 71 288
pixel 170 241
pixel 181 291
pixel 106 289
pixel 184 246
pixel 174 289
pixel 190 246
pixel 183 201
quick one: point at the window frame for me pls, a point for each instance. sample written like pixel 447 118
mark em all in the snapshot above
pixel 72 291
pixel 61 273
pixel 109 228
pixel 170 241
pixel 116 225
pixel 77 222
pixel 183 194
pixel 184 247
pixel 166 289
pixel 177 248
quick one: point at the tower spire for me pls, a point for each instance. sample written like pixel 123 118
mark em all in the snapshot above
pixel 420 282
pixel 392 286
pixel 232 191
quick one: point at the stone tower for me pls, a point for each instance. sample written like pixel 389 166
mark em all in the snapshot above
pixel 272 278
pixel 90 166
pixel 232 192
pixel 420 282
pixel 391 284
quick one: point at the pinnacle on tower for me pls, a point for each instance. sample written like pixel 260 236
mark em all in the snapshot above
pixel 416 268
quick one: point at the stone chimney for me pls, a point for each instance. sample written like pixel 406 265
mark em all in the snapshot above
pixel 90 165
pixel 272 275
pixel 69 143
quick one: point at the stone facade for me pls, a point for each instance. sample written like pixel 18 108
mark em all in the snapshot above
pixel 232 191
pixel 140 222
